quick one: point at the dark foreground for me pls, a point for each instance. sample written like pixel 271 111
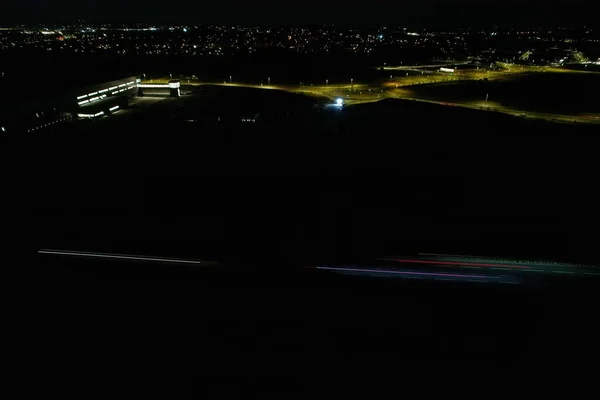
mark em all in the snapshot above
pixel 307 185
pixel 307 189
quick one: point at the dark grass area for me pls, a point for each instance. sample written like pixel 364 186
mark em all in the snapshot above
pixel 544 92
pixel 383 178
pixel 315 187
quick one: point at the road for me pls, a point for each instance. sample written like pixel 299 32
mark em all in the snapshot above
pixel 492 107
pixel 409 67
pixel 354 93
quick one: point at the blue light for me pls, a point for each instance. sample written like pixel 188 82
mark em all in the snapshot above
pixel 339 102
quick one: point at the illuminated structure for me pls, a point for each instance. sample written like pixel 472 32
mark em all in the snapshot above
pixel 104 99
pixel 173 87
pixel 50 110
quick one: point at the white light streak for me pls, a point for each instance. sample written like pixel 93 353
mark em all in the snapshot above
pixel 113 108
pixel 118 257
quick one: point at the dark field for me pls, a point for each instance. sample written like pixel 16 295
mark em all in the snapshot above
pixel 306 184
pixel 564 93
pixel 301 186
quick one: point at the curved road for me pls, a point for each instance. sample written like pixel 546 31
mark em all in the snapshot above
pixel 355 93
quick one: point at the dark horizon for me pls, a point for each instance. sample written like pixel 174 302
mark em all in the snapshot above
pixel 426 13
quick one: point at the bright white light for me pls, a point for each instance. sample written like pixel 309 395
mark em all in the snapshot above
pixel 83 102
pixel 103 90
pixel 85 115
pixel 92 94
pixel 174 85
pixel 3 129
pixel 114 87
pixel 94 99
pixel 82 97
pixel 339 102
pixel 99 114
pixel 113 108
pixel 121 85
pixel 156 85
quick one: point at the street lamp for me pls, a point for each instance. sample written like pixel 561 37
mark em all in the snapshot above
pixel 230 79
pixel 326 82
pixel 269 79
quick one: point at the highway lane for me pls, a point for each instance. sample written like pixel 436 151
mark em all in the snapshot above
pixel 408 67
pixel 492 107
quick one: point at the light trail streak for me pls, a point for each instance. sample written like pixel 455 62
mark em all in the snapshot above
pixel 117 257
pixel 407 273
pixel 432 262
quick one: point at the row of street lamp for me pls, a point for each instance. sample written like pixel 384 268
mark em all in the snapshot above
pixel 269 79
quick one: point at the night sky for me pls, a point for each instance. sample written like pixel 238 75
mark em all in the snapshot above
pixel 413 12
